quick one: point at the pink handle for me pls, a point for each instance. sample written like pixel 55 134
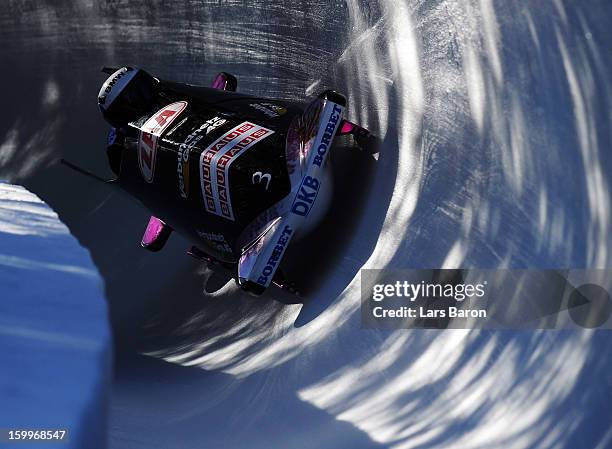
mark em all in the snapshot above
pixel 152 234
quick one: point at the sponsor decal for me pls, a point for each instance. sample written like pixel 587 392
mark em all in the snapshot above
pixel 306 196
pixel 330 129
pixel 108 87
pixel 215 163
pixel 309 186
pixel 184 151
pixel 270 109
pixel 216 240
pixel 150 133
pixel 274 259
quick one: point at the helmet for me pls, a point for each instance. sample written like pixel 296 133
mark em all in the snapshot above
pixel 126 95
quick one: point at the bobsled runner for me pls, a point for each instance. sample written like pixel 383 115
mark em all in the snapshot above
pixel 236 174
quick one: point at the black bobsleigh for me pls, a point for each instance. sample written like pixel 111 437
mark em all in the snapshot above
pixel 238 175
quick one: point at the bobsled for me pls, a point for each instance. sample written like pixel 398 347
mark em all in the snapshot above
pixel 238 175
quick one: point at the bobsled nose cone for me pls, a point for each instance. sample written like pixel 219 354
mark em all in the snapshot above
pixel 334 96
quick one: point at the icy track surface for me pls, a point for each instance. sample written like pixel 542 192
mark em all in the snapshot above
pixel 495 127
pixel 54 334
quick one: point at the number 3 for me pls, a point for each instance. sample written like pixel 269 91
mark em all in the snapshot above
pixel 259 176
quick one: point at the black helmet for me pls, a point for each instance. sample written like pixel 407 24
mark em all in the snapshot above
pixel 126 95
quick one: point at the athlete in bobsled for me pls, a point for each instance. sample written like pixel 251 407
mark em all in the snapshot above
pixel 236 174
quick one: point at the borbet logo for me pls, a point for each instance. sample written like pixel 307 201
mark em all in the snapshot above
pixel 330 129
pixel 150 132
pixel 277 253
